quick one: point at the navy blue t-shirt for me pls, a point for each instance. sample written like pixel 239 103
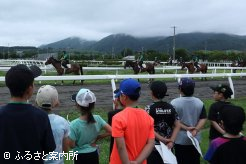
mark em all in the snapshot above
pixel 25 134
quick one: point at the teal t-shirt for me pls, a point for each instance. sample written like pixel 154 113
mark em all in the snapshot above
pixel 84 134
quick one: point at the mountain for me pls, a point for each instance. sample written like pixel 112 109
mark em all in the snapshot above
pixel 118 42
pixel 189 41
pixel 71 42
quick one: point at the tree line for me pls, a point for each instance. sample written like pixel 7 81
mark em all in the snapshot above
pixel 186 55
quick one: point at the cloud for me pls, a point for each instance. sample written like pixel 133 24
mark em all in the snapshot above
pixel 28 22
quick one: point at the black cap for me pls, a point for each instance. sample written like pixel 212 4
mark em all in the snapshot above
pixel 18 78
pixel 186 83
pixel 159 89
pixel 34 70
pixel 224 89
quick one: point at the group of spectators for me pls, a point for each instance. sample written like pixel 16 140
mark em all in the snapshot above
pixel 30 134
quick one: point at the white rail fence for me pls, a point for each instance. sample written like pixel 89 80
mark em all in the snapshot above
pixel 164 69
pixel 113 78
pixel 6 64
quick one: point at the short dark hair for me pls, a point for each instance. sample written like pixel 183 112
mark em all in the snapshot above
pixel 188 91
pixel 133 97
pixel 159 89
pixel 18 81
pixel 233 118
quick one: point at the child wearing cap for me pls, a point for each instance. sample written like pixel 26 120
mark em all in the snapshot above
pixel 231 147
pixel 192 116
pixel 222 93
pixel 47 99
pixel 85 130
pixel 166 120
pixel 132 128
pixel 24 129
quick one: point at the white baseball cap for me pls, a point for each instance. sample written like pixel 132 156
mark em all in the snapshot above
pixel 84 97
pixel 47 97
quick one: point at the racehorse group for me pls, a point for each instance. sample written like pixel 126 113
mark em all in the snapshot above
pixel 75 68
pixel 148 67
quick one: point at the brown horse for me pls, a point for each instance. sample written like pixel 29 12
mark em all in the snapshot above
pixel 241 64
pixel 76 69
pixel 192 69
pixel 238 64
pixel 150 67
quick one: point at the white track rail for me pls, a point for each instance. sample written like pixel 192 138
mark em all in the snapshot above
pixel 143 76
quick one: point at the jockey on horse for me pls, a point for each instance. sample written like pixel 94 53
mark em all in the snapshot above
pixel 195 60
pixel 170 61
pixel 64 59
pixel 140 60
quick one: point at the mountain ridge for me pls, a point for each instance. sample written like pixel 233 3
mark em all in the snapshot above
pixel 191 41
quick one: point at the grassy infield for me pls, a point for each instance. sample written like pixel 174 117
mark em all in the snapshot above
pixel 104 144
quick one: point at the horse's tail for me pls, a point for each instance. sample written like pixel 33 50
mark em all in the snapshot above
pixel 81 73
pixel 81 70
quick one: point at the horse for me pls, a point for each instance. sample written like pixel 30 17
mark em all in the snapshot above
pixel 192 69
pixel 238 64
pixel 150 67
pixel 241 64
pixel 234 64
pixel 76 69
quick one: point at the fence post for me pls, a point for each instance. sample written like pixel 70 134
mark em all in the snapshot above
pixel 113 89
pixel 231 86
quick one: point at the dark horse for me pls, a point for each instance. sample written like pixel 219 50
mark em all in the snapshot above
pixel 150 67
pixel 238 64
pixel 192 69
pixel 76 69
pixel 242 64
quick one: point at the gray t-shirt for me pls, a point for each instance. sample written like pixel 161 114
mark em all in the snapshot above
pixel 60 129
pixel 190 111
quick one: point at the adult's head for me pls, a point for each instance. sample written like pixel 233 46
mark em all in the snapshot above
pixel 187 86
pixel 20 77
pixel 222 90
pixel 159 89
pixel 130 88
pixel 47 97
pixel 85 101
pixel 232 118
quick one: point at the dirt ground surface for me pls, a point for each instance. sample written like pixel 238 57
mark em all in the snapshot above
pixel 104 93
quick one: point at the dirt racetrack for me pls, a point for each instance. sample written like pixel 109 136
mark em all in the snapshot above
pixel 103 93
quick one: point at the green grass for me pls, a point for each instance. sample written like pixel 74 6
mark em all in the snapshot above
pixel 104 144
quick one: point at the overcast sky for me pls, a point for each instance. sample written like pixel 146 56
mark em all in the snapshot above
pixel 37 22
